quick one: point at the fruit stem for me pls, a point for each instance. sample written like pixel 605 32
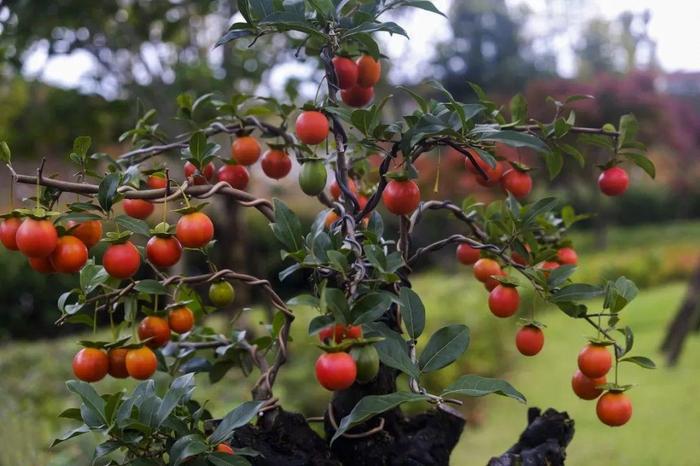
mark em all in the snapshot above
pixel 437 174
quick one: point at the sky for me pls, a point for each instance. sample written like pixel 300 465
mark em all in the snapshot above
pixel 673 26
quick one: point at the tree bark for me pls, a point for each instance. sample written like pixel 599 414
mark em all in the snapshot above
pixel 686 320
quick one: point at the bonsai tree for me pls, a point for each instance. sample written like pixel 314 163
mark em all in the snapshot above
pixel 369 320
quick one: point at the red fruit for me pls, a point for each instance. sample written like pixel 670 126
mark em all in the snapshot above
pixel 614 409
pixel 529 340
pixel 121 260
pixel 484 268
pixel 194 176
pixel 138 208
pixel 331 218
pixel 401 197
pixel 224 448
pixel 235 175
pixel 194 230
pixel 548 266
pixel 567 256
pixel 467 255
pixel 357 96
pixel 518 183
pixel 90 232
pixel 369 71
pixel 36 238
pixel 41 264
pixel 613 181
pixel 336 192
pixel 117 363
pixel 346 71
pixel 8 232
pixel 181 320
pixel 340 332
pixel 312 127
pixel 492 283
pixel 276 164
pixel 90 364
pixel 594 360
pixel 157 329
pixel 163 252
pixel 70 255
pixel 245 150
pixel 493 173
pixel 156 181
pixel 353 332
pixel 584 387
pixel 141 363
pixel 336 371
pixel 504 301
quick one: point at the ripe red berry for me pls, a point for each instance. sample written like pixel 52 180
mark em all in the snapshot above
pixel 276 164
pixel 504 301
pixel 516 182
pixel 585 387
pixel 163 252
pixel 197 177
pixel 401 197
pixel 36 238
pixel 529 340
pixel 336 371
pixel 346 71
pixel 121 260
pixel 8 232
pixel 235 175
pixel 312 127
pixel 613 181
pixel 614 409
pixel 357 96
pixel 594 360
pixel 567 256
pixel 137 208
pixel 467 255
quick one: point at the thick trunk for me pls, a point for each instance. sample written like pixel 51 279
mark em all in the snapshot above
pixel 686 320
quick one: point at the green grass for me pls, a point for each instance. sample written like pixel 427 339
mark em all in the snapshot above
pixel 662 429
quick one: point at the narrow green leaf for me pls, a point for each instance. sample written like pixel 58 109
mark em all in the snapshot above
pixel 239 417
pixel 444 347
pixel 474 385
pixel 412 312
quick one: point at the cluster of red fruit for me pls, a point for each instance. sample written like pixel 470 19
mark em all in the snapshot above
pixel 338 369
pixel 614 408
pixel 356 79
pixel 504 298
pixel 515 180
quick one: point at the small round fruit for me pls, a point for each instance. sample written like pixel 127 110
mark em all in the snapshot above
pixel 156 181
pixel 584 387
pixel 8 232
pixel 331 218
pixel 181 320
pixel 141 363
pixel 516 182
pixel 492 282
pixel 312 127
pixel 163 252
pixel 36 238
pixel 484 268
pixel 313 177
pixel 357 96
pixel 613 181
pixel 157 329
pixel 221 294
pixel 529 340
pixel 401 197
pixel 90 232
pixel 276 164
pixel 194 230
pixel 235 175
pixel 567 256
pixel 70 255
pixel 493 174
pixel 353 332
pixel 117 363
pixel 90 364
pixel 336 371
pixel 224 448
pixel 138 208
pixel 335 188
pixel 594 360
pixel 41 264
pixel 245 150
pixel 369 71
pixel 467 255
pixel 121 260
pixel 548 266
pixel 196 176
pixel 614 409
pixel 504 301
pixel 336 331
pixel 367 362
pixel 346 71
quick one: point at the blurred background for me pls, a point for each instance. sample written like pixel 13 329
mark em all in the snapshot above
pixel 71 68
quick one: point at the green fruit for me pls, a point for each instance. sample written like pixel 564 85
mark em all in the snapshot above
pixel 221 294
pixel 312 177
pixel 367 361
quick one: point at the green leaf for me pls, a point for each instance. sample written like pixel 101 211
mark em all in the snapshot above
pixel 81 144
pixel 514 139
pixel 576 292
pixel 641 361
pixel 444 347
pixel 198 143
pixel 71 434
pixel 92 276
pixel 239 417
pixel 539 208
pixel 423 5
pixel 372 405
pixel 150 287
pixel 134 225
pixel 554 162
pixel 107 191
pixel 619 294
pixel 333 300
pixel 559 275
pixel 629 341
pixel 642 162
pixel 474 385
pixel 370 307
pixel 518 108
pixel 180 389
pixel 394 353
pixel 304 300
pixel 185 447
pixel 287 227
pixel 5 153
pixel 92 401
pixel 412 312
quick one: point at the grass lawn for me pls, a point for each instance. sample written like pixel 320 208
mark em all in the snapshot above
pixel 663 429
